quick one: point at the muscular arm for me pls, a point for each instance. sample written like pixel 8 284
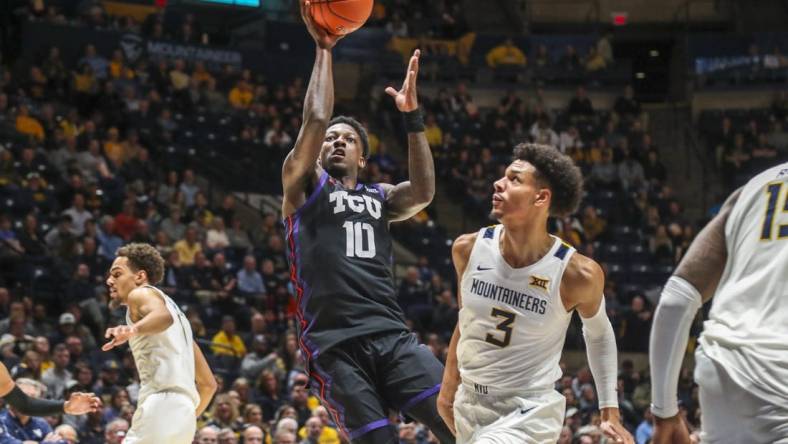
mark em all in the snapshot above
pixel 705 260
pixel 150 310
pixel 300 166
pixel 204 379
pixel 408 198
pixel 301 163
pixel 693 282
pixel 460 252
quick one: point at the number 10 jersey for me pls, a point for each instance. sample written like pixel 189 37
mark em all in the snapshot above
pixel 512 322
pixel 339 249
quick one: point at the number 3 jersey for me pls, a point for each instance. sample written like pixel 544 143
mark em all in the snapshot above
pixel 339 248
pixel 512 322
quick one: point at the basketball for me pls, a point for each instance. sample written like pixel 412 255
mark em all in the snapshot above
pixel 341 17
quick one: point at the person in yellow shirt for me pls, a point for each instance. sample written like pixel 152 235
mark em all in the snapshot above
pixel 506 54
pixel 226 342
pixel 113 148
pixel 28 125
pixel 188 247
pixel 433 132
pixel 315 431
pixel 241 95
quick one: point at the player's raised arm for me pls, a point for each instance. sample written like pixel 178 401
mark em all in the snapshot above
pixel 584 280
pixel 151 312
pixel 460 252
pixel 300 164
pixel 693 282
pixel 408 198
pixel 204 379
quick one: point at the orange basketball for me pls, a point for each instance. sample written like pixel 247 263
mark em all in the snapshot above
pixel 340 17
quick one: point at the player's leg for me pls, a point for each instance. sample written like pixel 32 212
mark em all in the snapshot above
pixel 725 406
pixel 341 379
pixel 411 377
pixel 163 417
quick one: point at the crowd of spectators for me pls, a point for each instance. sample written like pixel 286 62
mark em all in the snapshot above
pixel 744 142
pixel 86 165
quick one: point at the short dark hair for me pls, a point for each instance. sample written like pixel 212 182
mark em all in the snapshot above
pixel 146 258
pixel 362 133
pixel 558 172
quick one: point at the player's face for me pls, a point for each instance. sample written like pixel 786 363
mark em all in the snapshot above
pixel 122 280
pixel 518 194
pixel 342 153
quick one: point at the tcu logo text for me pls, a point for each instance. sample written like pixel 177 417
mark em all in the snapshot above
pixel 356 204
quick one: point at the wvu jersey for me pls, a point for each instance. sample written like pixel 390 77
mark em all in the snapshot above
pixel 512 322
pixel 747 330
pixel 165 361
pixel 340 264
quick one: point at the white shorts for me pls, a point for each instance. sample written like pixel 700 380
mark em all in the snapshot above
pixel 498 419
pixel 731 414
pixel 163 418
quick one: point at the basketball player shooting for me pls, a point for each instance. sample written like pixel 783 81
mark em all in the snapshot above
pixel 741 366
pixel 176 383
pixel 361 358
pixel 518 287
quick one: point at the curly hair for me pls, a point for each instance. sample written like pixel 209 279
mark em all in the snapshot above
pixel 146 258
pixel 558 172
pixel 356 125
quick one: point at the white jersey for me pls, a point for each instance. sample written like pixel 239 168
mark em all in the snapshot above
pixel 165 361
pixel 747 330
pixel 512 322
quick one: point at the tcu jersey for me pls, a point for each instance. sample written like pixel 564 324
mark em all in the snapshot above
pixel 512 322
pixel 747 330
pixel 340 265
pixel 165 361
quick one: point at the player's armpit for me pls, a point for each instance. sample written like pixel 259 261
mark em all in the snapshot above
pixel 705 260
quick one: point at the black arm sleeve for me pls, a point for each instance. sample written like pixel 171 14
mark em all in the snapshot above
pixel 33 406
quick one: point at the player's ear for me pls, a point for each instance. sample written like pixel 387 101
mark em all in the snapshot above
pixel 543 197
pixel 362 162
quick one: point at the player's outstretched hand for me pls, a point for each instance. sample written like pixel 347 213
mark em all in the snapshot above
pixel 323 38
pixel 406 98
pixel 80 403
pixel 446 411
pixel 616 432
pixel 671 430
pixel 120 335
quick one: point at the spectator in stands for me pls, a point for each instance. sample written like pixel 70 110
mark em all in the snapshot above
pixel 542 57
pixel 254 435
pixel 227 342
pixel 604 175
pixel 56 377
pixel 569 61
pixel 98 64
pixel 541 132
pixel 627 108
pixel 208 434
pixel 27 124
pixel 594 61
pixel 636 319
pixel 188 247
pixel 78 214
pixel 116 431
pixel 580 107
pixel 189 187
pixel 645 429
pixel 604 48
pixel 505 54
pixel 630 173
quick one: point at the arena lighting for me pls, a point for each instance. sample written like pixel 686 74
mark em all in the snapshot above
pixel 620 18
pixel 653 53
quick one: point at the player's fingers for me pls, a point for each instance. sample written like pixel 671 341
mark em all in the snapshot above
pixel 109 332
pixel 412 80
pixel 109 345
pixel 391 91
